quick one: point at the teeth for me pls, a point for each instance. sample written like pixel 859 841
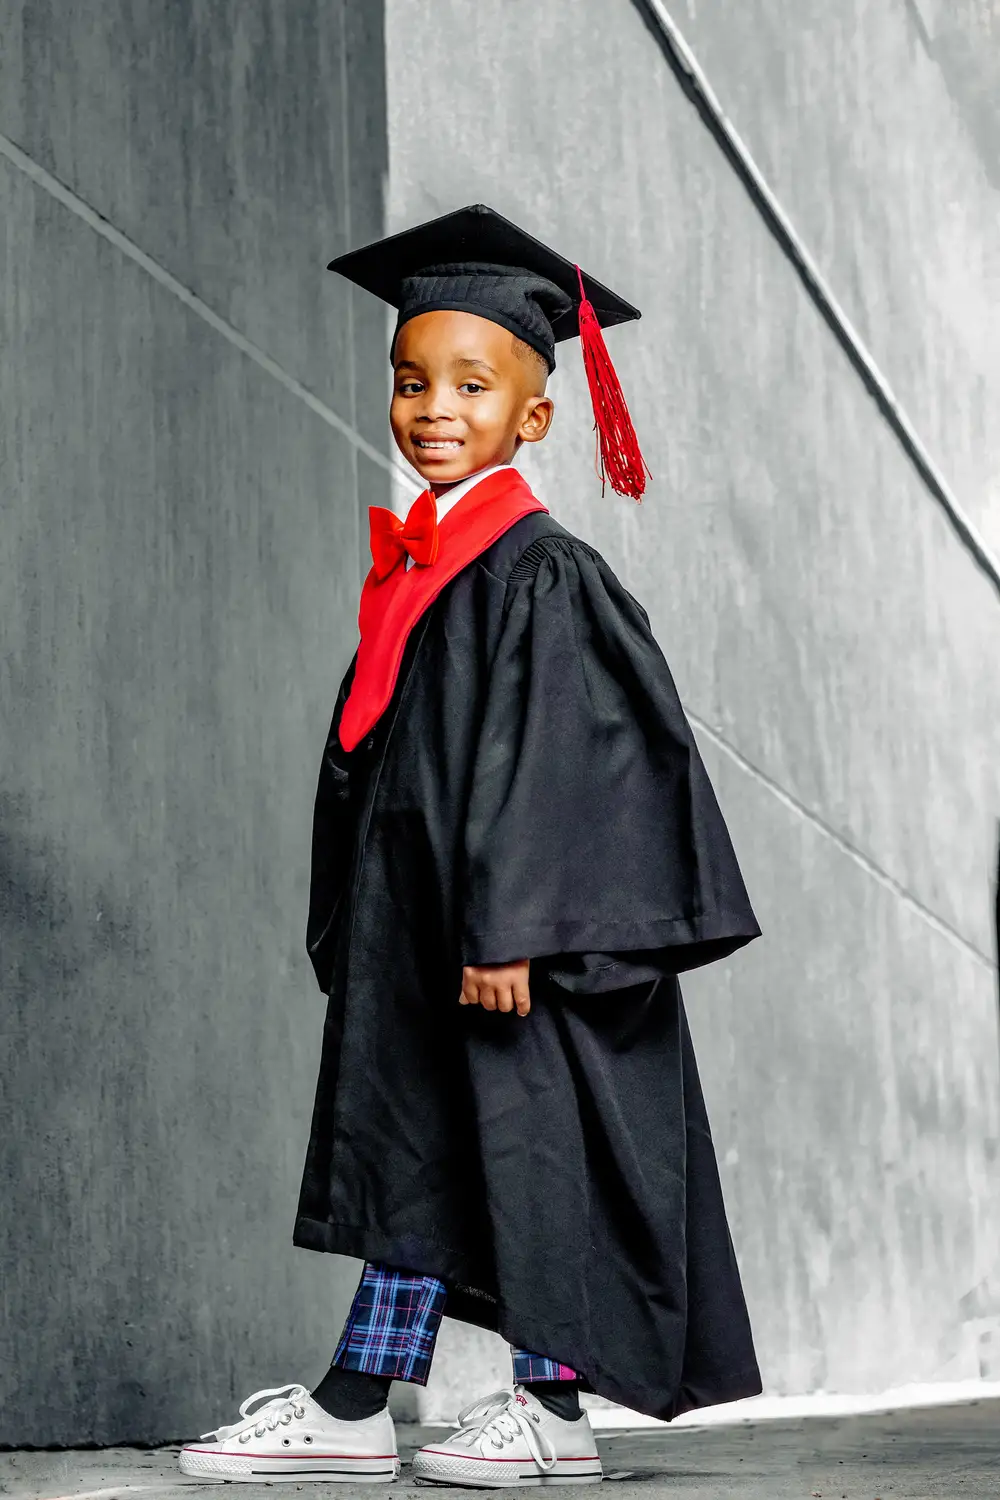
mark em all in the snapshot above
pixel 425 443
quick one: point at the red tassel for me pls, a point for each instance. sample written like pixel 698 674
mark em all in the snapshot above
pixel 618 460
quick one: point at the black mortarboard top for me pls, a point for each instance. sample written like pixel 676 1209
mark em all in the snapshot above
pixel 474 260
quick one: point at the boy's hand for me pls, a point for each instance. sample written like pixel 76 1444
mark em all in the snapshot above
pixel 497 987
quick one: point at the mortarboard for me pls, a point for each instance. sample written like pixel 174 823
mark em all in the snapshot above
pixel 474 260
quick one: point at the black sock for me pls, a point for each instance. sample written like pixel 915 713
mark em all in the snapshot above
pixel 351 1395
pixel 560 1397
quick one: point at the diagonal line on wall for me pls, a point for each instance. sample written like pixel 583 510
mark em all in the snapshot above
pixel 101 226
pixel 695 84
pixel 232 335
pixel 852 851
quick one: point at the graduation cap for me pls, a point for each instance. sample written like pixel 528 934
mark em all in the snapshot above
pixel 474 260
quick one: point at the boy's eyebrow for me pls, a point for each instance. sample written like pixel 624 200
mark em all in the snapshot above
pixel 479 364
pixel 464 363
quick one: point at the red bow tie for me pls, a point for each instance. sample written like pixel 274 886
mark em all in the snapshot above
pixel 393 539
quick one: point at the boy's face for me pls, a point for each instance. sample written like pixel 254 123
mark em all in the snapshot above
pixel 466 394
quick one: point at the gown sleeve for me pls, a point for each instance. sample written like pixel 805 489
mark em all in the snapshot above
pixel 332 843
pixel 593 838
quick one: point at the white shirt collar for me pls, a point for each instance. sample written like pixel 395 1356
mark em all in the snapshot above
pixel 451 497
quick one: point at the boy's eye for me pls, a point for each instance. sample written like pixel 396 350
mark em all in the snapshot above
pixel 471 385
pixel 407 387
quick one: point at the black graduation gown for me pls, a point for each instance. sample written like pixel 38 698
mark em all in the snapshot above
pixel 534 791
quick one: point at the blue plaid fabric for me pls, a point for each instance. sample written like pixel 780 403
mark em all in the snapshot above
pixel 529 1367
pixel 393 1324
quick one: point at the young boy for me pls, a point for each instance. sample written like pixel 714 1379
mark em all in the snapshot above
pixel 516 849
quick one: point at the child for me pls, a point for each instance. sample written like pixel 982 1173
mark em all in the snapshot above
pixel 516 849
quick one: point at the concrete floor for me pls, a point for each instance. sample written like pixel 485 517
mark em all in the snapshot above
pixel 947 1452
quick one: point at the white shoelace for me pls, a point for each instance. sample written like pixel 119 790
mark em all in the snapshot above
pixel 278 1411
pixel 501 1418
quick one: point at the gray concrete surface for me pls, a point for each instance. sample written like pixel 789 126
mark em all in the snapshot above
pixel 179 562
pixel 835 646
pixel 948 1453
pixel 879 128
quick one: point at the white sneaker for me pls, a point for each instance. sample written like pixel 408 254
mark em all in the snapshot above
pixel 291 1438
pixel 510 1439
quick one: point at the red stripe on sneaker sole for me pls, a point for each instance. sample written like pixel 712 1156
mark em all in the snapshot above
pixel 478 1458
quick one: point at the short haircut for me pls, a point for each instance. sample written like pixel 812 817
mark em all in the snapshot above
pixel 530 356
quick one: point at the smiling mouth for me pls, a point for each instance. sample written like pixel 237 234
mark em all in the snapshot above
pixel 441 445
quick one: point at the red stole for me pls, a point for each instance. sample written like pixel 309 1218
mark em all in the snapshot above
pixel 391 608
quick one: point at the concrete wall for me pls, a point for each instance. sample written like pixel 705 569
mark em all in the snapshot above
pixel 879 128
pixel 835 645
pixel 179 562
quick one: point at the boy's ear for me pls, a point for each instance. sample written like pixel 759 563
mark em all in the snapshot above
pixel 537 419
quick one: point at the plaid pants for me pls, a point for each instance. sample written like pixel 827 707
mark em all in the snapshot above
pixel 393 1324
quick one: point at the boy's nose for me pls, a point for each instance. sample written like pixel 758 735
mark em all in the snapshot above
pixel 433 413
pixel 437 404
